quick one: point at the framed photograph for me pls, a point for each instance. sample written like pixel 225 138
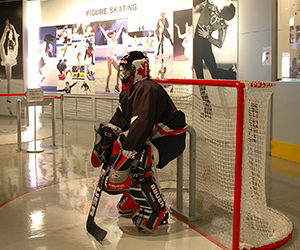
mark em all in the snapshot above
pixel 288 54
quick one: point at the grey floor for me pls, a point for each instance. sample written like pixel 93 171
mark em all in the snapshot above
pixel 56 186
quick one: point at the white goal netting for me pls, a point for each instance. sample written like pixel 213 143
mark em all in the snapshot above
pixel 212 112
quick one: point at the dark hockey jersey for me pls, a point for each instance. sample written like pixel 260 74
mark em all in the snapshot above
pixel 148 113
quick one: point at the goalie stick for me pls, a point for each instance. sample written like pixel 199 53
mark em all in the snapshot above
pixel 91 226
pixel 98 233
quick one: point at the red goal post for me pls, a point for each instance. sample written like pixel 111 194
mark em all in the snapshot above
pixel 230 119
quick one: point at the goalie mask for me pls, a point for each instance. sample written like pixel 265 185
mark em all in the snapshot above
pixel 133 68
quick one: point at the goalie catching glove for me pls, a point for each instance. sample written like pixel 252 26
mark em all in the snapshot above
pixel 105 135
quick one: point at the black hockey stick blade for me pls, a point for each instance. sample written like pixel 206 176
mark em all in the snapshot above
pixel 98 233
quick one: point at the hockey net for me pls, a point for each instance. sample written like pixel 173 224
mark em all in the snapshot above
pixel 230 120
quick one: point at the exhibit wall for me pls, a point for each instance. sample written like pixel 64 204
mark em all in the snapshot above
pixel 75 46
pixel 90 37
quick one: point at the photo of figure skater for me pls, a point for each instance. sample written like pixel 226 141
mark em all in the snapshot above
pixel 62 68
pixel 213 18
pixel 90 73
pixel 63 35
pixel 183 43
pixel 85 87
pixel 89 52
pixel 187 39
pixel 11 55
pixel 46 50
pixel 83 42
pixel 77 51
pixel 80 30
pixel 162 32
pixel 67 89
pixel 78 72
pixel 140 24
pixel 149 42
pixel 141 40
pixel 110 37
pixel 163 67
pixel 135 41
pixel 9 46
pixel 163 71
pixel 294 68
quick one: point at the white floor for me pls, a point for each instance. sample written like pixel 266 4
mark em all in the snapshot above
pixel 54 218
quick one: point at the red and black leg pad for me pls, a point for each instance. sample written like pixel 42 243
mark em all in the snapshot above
pixel 150 211
pixel 143 169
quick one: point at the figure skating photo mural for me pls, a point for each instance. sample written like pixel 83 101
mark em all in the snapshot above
pixel 11 56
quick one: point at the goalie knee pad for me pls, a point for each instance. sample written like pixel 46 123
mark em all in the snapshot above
pixel 114 182
pixel 119 180
pixel 119 177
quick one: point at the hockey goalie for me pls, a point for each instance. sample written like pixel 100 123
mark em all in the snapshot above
pixel 146 132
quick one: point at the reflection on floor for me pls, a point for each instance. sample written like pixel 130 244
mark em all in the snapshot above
pixel 45 198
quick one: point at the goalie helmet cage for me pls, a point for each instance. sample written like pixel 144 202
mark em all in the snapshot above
pixel 230 120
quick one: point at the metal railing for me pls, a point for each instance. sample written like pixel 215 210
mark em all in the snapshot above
pixel 25 104
pixel 188 214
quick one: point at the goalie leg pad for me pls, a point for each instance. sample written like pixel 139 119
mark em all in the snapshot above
pixel 150 211
pixel 138 196
pixel 153 195
pixel 143 169
pixel 149 220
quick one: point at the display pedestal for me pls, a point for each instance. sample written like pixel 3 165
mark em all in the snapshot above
pixel 34 149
